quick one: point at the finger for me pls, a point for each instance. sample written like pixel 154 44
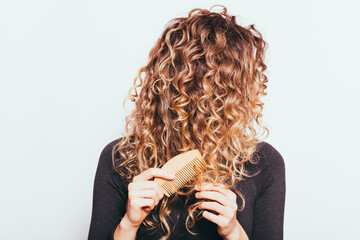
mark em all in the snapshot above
pixel 160 193
pixel 219 188
pixel 215 196
pixel 148 209
pixel 206 185
pixel 143 193
pixel 218 219
pixel 216 207
pixel 153 172
pixel 142 185
pixel 155 194
pixel 138 203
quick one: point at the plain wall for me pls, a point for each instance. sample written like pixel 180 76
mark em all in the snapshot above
pixel 66 67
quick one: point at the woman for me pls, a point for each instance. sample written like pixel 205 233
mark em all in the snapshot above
pixel 200 90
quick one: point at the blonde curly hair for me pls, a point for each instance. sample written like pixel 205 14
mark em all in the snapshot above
pixel 200 90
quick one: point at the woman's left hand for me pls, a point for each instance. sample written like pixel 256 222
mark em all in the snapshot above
pixel 223 202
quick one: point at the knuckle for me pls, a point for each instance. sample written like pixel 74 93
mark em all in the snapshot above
pixel 222 224
pixel 233 196
pixel 231 212
pixel 156 200
pixel 131 194
pixel 235 206
pixel 135 179
pixel 131 186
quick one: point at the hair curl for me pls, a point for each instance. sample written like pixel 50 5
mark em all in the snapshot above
pixel 200 90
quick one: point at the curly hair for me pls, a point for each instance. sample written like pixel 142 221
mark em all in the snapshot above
pixel 201 90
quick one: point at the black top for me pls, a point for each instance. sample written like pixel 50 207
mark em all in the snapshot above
pixel 262 217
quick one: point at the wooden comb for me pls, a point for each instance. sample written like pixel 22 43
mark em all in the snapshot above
pixel 184 166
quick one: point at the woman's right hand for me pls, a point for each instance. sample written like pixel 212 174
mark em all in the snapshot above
pixel 144 195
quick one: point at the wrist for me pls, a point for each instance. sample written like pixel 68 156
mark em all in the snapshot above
pixel 125 230
pixel 237 234
pixel 125 223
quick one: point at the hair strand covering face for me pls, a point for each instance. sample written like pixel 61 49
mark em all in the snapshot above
pixel 199 90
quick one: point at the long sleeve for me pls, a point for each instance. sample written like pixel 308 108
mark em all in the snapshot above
pixel 262 217
pixel 269 206
pixel 109 198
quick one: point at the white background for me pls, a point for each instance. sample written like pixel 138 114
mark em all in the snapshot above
pixel 66 67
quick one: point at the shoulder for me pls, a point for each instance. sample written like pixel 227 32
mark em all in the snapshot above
pixel 108 149
pixel 269 167
pixel 107 179
pixel 269 157
pixel 106 155
pixel 272 167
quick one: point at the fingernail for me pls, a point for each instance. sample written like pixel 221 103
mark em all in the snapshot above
pixel 171 175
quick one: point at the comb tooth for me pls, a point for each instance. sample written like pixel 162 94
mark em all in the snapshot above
pixel 174 183
pixel 166 187
pixel 196 161
pixel 192 168
pixel 197 168
pixel 177 186
pixel 180 179
pixel 199 163
pixel 182 175
pixel 188 174
pixel 167 193
pixel 171 188
pixel 189 167
pixel 190 171
pixel 177 182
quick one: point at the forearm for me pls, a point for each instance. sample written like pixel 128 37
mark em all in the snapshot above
pixel 124 230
